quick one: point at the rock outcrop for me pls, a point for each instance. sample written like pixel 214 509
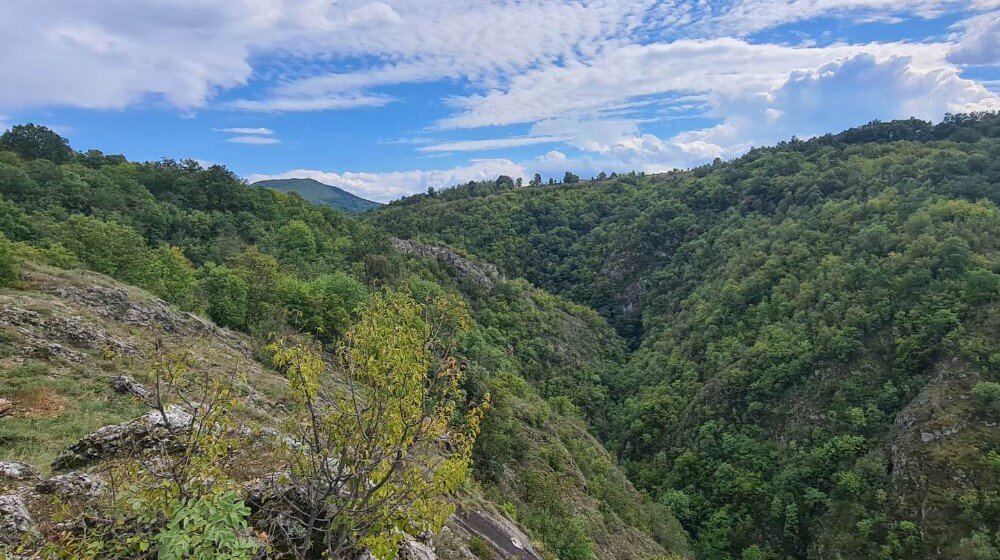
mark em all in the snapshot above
pixel 127 385
pixel 15 520
pixel 151 430
pixel 73 485
pixel 484 275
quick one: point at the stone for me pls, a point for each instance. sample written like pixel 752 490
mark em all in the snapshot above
pixel 15 471
pixel 77 485
pixel 151 430
pixel 15 520
pixel 412 549
pixel 127 385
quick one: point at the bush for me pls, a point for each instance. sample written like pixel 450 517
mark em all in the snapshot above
pixel 10 263
pixel 226 294
pixel 988 393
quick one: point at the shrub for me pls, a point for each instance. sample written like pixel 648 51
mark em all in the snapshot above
pixel 10 263
pixel 988 393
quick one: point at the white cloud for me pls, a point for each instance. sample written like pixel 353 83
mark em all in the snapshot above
pixel 242 130
pixel 253 140
pixel 811 102
pixel 743 17
pixel 835 96
pixel 980 42
pixel 491 144
pixel 311 103
pixel 390 185
pixel 724 66
pixel 116 53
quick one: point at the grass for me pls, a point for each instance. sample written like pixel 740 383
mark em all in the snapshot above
pixel 55 406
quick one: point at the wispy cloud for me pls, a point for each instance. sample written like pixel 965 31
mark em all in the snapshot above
pixel 491 144
pixel 239 130
pixel 318 103
pixel 253 140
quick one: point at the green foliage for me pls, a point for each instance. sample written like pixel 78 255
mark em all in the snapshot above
pixel 226 293
pixel 325 305
pixel 269 263
pixel 107 247
pixel 10 263
pixel 785 308
pixel 392 471
pixel 988 393
pixel 480 549
pixel 32 141
pixel 172 276
pixel 206 527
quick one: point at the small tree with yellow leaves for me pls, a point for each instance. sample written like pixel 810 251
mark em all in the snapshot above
pixel 378 453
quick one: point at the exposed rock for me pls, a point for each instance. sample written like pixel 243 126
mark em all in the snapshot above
pixel 412 549
pixel 118 304
pixel 15 520
pixel 17 471
pixel 151 430
pixel 945 432
pixel 73 485
pixel 41 331
pixel 451 546
pixel 127 385
pixel 485 275
pixel 501 534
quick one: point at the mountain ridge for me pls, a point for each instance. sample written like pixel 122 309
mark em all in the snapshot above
pixel 320 193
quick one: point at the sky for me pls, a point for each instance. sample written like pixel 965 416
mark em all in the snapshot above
pixel 388 98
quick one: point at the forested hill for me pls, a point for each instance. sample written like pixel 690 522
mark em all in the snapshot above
pixel 815 326
pixel 270 265
pixel 320 193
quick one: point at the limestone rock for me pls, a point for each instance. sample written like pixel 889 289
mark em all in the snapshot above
pixel 501 534
pixel 127 385
pixel 16 471
pixel 77 485
pixel 412 549
pixel 151 430
pixel 15 520
pixel 484 275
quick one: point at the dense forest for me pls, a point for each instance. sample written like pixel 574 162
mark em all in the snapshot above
pixel 263 262
pixel 816 362
pixel 794 353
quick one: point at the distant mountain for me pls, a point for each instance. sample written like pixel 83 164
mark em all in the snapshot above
pixel 320 193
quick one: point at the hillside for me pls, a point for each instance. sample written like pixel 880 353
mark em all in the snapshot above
pixel 320 193
pixel 111 268
pixel 815 359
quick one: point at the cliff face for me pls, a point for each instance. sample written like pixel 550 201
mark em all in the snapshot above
pixel 482 275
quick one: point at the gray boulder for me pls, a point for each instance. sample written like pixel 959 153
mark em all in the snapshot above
pixel 16 471
pixel 151 430
pixel 72 485
pixel 127 385
pixel 412 549
pixel 15 520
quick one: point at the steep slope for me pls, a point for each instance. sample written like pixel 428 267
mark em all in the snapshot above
pixel 814 373
pixel 67 336
pixel 320 193
pixel 257 261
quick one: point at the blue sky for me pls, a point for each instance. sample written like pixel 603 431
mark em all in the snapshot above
pixel 390 97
